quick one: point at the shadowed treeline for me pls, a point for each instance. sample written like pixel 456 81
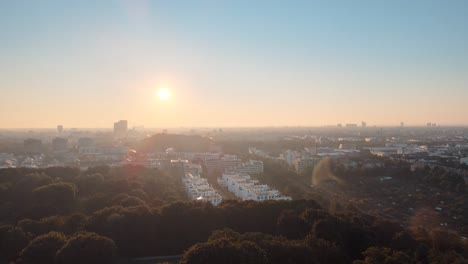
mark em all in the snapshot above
pixel 102 214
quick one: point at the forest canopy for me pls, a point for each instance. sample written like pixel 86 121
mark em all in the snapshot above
pixel 63 215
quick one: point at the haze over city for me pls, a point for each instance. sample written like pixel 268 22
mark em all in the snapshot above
pixel 233 131
pixel 232 63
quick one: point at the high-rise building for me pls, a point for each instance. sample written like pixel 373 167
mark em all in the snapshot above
pixel 121 128
pixel 363 124
pixel 59 129
pixel 402 124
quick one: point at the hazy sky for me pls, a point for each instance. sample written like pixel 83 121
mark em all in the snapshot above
pixel 233 63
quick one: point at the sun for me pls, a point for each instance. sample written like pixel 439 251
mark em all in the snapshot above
pixel 164 94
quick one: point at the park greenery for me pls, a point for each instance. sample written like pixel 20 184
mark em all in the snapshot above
pixel 102 215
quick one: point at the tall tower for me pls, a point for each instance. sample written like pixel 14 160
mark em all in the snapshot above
pixel 120 128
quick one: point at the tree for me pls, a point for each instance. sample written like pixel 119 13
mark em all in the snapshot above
pixel 12 241
pixel 43 248
pixel 443 240
pixel 291 225
pixel 251 253
pixel 217 251
pixel 87 248
pixel 58 195
pixel 379 255
pixel 403 241
pixel 74 223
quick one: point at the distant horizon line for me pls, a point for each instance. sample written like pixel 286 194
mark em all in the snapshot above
pixel 230 127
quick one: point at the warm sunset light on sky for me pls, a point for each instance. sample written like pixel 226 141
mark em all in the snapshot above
pixel 164 94
pixel 233 63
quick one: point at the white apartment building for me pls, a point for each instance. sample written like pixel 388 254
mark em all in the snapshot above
pixel 221 164
pixel 251 167
pixel 150 163
pixel 290 156
pixel 198 189
pixel 187 155
pixel 104 151
pixel 245 188
pixel 194 168
pixel 187 166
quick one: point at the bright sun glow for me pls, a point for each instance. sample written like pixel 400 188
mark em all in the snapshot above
pixel 164 94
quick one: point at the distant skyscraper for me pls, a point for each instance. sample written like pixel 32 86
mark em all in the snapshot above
pixel 121 128
pixel 429 124
pixel 363 124
pixel 351 125
pixel 402 124
pixel 59 129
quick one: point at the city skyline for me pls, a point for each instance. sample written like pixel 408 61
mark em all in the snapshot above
pixel 227 64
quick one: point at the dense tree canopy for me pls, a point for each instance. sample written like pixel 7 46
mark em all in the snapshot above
pixel 67 216
pixel 87 248
pixel 43 248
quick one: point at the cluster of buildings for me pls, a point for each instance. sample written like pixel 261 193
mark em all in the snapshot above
pixel 222 163
pixel 70 147
pixel 27 161
pixel 251 167
pixel 8 161
pixel 246 188
pixel 427 154
pixel 450 157
pixel 170 153
pixel 198 189
pixel 212 161
pixel 310 157
pixel 235 175
pixel 237 179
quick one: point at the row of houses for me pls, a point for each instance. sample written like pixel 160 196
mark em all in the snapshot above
pixel 198 189
pixel 246 188
pixel 172 154
pixel 251 167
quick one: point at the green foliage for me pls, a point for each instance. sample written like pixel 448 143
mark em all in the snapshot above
pixel 443 240
pixel 377 255
pixel 225 249
pixel 43 248
pixel 60 196
pixel 87 248
pixel 287 181
pixel 291 225
pixel 12 241
pixel 138 212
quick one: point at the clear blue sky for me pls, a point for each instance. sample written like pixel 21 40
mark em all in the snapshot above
pixel 233 63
